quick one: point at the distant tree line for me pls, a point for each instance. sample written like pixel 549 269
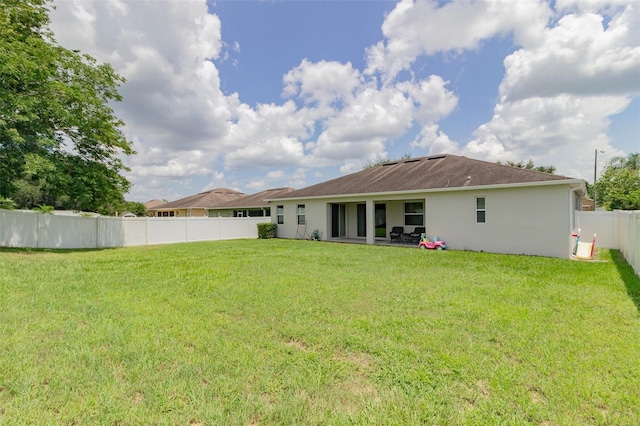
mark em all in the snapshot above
pixel 381 161
pixel 619 185
pixel 530 166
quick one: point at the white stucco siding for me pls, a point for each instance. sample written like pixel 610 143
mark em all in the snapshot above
pixel 315 213
pixel 529 220
pixel 395 216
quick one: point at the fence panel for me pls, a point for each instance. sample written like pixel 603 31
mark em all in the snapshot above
pixel 67 231
pixel 203 229
pixel 629 231
pixel 18 229
pixel 32 230
pixel 162 230
pixel 604 224
pixel 617 230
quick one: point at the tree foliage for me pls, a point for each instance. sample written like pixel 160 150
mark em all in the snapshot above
pixel 530 166
pixel 619 186
pixel 60 142
pixel 380 162
pixel 7 203
pixel 135 207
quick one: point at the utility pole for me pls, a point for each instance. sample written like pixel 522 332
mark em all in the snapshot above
pixel 595 171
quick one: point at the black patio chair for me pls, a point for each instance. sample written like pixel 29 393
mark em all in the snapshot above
pixel 396 233
pixel 417 233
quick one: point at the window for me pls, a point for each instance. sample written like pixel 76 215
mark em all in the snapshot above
pixel 302 219
pixel 255 213
pixel 414 213
pixel 166 214
pixel 280 215
pixel 481 212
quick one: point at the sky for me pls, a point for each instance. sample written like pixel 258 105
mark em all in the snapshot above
pixel 251 95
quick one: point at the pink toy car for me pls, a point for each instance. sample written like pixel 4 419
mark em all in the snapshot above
pixel 435 244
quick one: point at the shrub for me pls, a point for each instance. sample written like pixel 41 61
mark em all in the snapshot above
pixel 44 209
pixel 267 230
pixel 7 203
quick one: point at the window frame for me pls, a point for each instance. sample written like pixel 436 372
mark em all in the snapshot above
pixel 481 213
pixel 279 215
pixel 414 214
pixel 302 217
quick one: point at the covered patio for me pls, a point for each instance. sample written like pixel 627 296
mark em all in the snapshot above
pixel 397 221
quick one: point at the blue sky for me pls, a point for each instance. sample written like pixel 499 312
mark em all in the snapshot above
pixel 251 95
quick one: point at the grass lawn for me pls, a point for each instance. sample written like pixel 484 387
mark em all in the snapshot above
pixel 255 332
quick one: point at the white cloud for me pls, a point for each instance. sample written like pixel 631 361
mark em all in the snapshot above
pixel 562 131
pixel 322 82
pixel 425 28
pixel 578 56
pixel 433 100
pixel 435 140
pixel 173 164
pixel 257 185
pixel 362 127
pixel 218 180
pixel 275 174
pixel 298 179
pixel 558 96
pixel 268 136
pixel 172 98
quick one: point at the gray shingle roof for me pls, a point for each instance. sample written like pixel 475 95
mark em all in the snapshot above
pixel 256 200
pixel 424 173
pixel 204 200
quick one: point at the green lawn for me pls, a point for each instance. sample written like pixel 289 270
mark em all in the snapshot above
pixel 297 332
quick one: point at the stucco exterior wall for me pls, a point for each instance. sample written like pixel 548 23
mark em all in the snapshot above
pixel 531 220
pixel 316 213
pixel 522 220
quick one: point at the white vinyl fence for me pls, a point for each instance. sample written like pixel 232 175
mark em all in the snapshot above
pixel 617 230
pixel 33 230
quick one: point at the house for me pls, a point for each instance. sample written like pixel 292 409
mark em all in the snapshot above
pixel 197 205
pixel 255 205
pixel 472 204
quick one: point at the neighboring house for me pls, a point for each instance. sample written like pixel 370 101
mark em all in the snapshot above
pixel 471 204
pixel 587 204
pixel 195 205
pixel 255 205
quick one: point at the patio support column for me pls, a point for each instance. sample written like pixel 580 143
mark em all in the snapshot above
pixel 371 226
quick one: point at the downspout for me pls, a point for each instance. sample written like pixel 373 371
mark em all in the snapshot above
pixel 572 214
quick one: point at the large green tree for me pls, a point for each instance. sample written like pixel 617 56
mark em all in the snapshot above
pixel 619 186
pixel 60 141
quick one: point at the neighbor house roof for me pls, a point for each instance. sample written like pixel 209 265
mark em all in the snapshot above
pixel 202 200
pixel 256 200
pixel 425 173
pixel 153 203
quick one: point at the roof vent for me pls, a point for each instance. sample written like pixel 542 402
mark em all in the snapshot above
pixel 412 160
pixel 390 163
pixel 437 157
